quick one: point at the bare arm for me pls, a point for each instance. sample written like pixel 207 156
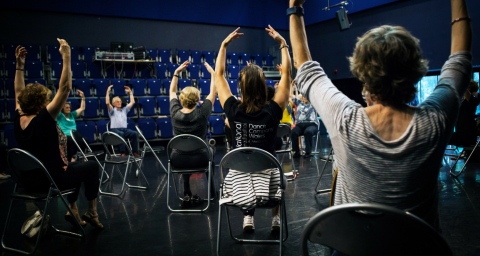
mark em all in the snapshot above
pixel 298 37
pixel 107 98
pixel 173 85
pixel 461 30
pixel 221 83
pixel 20 54
pixel 82 104
pixel 213 89
pixel 132 99
pixel 65 86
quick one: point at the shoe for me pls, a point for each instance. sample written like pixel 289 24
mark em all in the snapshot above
pixel 135 154
pixel 248 223
pixel 296 155
pixel 289 174
pixel 123 154
pixel 92 219
pixel 276 224
pixel 307 155
pixel 71 219
pixel 196 200
pixel 4 176
pixel 185 202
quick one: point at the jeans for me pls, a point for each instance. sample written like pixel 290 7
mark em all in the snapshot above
pixel 306 129
pixel 130 135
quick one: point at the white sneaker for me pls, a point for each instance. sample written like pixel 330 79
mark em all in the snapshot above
pixel 276 223
pixel 4 176
pixel 248 223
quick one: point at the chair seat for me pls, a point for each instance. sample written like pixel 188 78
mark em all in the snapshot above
pixel 284 150
pixel 190 170
pixel 270 204
pixel 91 154
pixel 155 149
pixel 122 160
pixel 23 195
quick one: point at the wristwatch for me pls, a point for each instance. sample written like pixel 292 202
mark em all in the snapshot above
pixel 295 10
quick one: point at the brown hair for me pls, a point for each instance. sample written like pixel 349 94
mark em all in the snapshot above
pixel 189 97
pixel 473 86
pixel 33 98
pixel 388 59
pixel 253 88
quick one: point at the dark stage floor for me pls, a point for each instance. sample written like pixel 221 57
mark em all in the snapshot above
pixel 141 223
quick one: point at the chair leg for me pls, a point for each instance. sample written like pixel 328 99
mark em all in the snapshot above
pixel 82 235
pixel 144 177
pixel 294 171
pixel 455 164
pixel 463 168
pixel 124 177
pixel 323 170
pixel 219 227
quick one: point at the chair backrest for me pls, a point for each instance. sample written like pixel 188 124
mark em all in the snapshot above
pixel 113 139
pixel 78 139
pixel 21 161
pixel 284 130
pixel 248 160
pixel 186 142
pixel 372 229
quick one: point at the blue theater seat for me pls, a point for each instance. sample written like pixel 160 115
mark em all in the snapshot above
pixel 233 71
pixel 244 57
pixel 84 85
pixel 270 82
pixel 182 83
pixel 94 70
pixel 9 134
pixel 258 59
pixel 232 58
pixel 204 85
pixel 268 60
pixel 53 53
pixel 139 87
pixel 3 113
pixel 101 128
pixel 3 90
pixel 216 124
pixel 196 57
pixel 2 68
pixel 171 67
pixel 147 106
pixel 88 54
pixel 101 86
pixel 164 56
pixel 35 80
pixel 34 69
pixel 75 53
pixel 57 67
pixel 79 69
pixel 9 51
pixel 217 107
pixel 166 86
pixel 129 71
pixel 153 53
pixel 233 86
pixel 10 69
pixel 91 108
pixel 75 104
pixel 103 107
pixel 163 105
pixel 193 71
pixel 87 130
pixel 133 111
pixel 209 57
pixel 148 128
pixel 10 88
pixel 118 87
pixel 10 109
pixel 154 87
pixel 34 52
pixel 131 124
pixel 164 125
pixel 182 56
pixel 205 74
pixel 160 71
pixel 145 72
pixel 241 67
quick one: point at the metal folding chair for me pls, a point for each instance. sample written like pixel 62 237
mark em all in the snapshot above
pixel 113 139
pixel 327 160
pixel 372 229
pixel 187 142
pixel 282 131
pixel 249 160
pixel 147 148
pixel 23 163
pixel 473 148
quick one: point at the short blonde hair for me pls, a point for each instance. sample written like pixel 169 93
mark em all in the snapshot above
pixel 33 98
pixel 388 59
pixel 189 97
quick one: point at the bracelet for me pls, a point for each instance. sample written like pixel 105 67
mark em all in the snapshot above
pixel 460 19
pixel 283 46
pixel 177 76
pixel 20 69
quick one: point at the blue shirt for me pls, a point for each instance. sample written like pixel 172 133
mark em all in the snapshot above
pixel 67 123
pixel 118 118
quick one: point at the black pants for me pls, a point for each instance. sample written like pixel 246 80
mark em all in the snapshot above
pixel 192 160
pixel 306 129
pixel 228 135
pixel 3 158
pixel 71 148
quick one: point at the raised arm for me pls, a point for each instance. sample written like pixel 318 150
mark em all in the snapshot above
pixel 173 85
pixel 132 99
pixel 283 90
pixel 461 29
pixel 213 89
pixel 20 54
pixel 221 83
pixel 82 105
pixel 298 36
pixel 107 98
pixel 65 86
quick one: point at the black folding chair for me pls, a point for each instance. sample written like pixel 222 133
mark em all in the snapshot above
pixel 372 229
pixel 22 164
pixel 282 131
pixel 187 142
pixel 249 160
pixel 147 148
pixel 328 159
pixel 113 139
pixel 473 149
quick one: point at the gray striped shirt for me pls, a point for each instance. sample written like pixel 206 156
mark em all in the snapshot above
pixel 402 173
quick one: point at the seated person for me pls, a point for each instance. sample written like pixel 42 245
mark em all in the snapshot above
pixel 193 120
pixel 306 124
pixel 66 121
pixel 466 128
pixel 118 120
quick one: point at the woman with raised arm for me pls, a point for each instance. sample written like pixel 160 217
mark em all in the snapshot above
pixel 66 121
pixel 388 153
pixel 189 119
pixel 254 111
pixel 37 132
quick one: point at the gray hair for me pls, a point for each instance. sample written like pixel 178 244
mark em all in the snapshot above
pixel 113 100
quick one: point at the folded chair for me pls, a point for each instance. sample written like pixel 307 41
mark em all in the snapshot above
pixel 282 131
pixel 327 160
pixel 23 163
pixel 372 229
pixel 148 148
pixel 187 142
pixel 249 160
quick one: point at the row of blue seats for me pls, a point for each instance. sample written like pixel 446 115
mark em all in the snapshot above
pixel 97 108
pixel 151 129
pixel 160 55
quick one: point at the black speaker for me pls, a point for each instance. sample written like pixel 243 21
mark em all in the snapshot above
pixel 127 47
pixel 116 47
pixel 342 17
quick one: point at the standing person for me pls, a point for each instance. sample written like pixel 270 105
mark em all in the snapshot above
pixel 389 148
pixel 466 128
pixel 254 110
pixel 66 121
pixel 187 118
pixel 306 123
pixel 118 119
pixel 37 132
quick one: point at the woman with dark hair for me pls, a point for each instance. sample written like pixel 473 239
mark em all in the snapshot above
pixel 466 128
pixel 66 121
pixel 389 152
pixel 37 132
pixel 255 111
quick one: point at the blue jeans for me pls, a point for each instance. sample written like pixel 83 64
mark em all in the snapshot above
pixel 308 130
pixel 130 135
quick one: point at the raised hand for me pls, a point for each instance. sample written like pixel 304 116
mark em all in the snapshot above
pixel 109 88
pixel 20 54
pixel 275 35
pixel 182 67
pixel 64 48
pixel 233 35
pixel 249 63
pixel 276 85
pixel 80 93
pixel 279 68
pixel 127 89
pixel 209 68
pixel 296 3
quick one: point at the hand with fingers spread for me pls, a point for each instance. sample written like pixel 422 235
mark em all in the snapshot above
pixel 233 35
pixel 64 48
pixel 296 3
pixel 20 54
pixel 209 68
pixel 275 35
pixel 181 67
pixel 80 93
